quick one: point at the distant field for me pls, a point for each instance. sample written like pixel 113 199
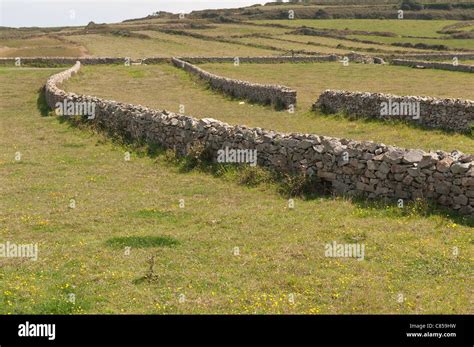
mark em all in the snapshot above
pixel 450 43
pixel 308 79
pixel 162 45
pixel 229 30
pixel 135 203
pixel 400 27
pixel 189 251
pixel 292 45
pixel 39 46
pixel 245 35
pixel 333 42
pixel 420 31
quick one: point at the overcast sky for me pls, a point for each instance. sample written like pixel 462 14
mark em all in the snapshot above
pixel 47 13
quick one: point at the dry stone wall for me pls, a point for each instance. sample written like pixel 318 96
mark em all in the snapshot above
pixel 434 65
pixel 47 61
pixel 431 56
pixel 346 166
pixel 158 60
pixel 263 59
pixel 450 114
pixel 276 95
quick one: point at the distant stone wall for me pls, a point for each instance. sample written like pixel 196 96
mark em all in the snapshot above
pixel 450 114
pixel 262 60
pixel 345 166
pixel 434 65
pixel 45 61
pixel 431 56
pixel 276 95
pixel 158 60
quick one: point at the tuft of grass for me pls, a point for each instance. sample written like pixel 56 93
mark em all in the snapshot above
pixel 153 213
pixel 136 73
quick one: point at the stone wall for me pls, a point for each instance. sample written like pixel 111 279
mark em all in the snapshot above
pixel 347 167
pixel 449 114
pixel 263 59
pixel 158 60
pixel 276 95
pixel 431 56
pixel 52 61
pixel 434 65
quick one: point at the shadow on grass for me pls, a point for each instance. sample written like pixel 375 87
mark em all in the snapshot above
pixel 41 103
pixel 141 241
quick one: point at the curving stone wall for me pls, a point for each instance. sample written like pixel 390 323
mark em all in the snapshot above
pixel 434 65
pixel 346 166
pixel 450 114
pixel 276 95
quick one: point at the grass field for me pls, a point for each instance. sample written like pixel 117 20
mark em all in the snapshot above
pixel 39 46
pixel 135 203
pixel 162 44
pixel 245 36
pixel 406 31
pixel 357 46
pixel 406 27
pixel 308 79
pixel 467 44
pixel 158 235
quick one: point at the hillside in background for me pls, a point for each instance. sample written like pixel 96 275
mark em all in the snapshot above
pixel 350 9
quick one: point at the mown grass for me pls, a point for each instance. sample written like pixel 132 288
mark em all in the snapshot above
pixel 136 204
pixel 308 79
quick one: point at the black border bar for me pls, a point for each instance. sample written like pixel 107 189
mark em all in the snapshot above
pixel 244 329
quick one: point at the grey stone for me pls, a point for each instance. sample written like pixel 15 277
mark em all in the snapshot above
pixel 413 156
pixel 458 168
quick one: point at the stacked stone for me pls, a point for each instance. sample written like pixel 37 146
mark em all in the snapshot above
pixel 86 61
pixel 262 59
pixel 434 65
pixel 276 95
pixel 450 114
pixel 159 60
pixel 347 166
pixel 431 56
